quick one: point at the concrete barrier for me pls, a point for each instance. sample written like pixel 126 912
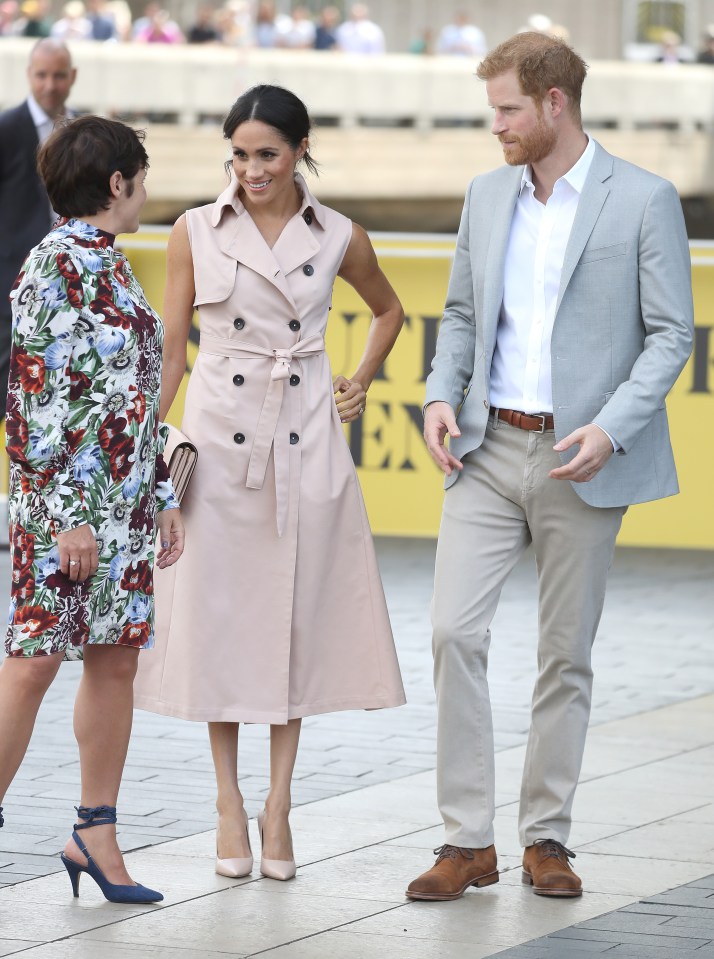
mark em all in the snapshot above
pixel 192 81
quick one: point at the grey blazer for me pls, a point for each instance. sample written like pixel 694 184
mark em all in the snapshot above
pixel 623 326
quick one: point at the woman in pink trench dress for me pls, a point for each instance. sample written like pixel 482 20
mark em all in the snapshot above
pixel 277 611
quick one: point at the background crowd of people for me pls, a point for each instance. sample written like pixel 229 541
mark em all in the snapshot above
pixel 234 23
pixel 240 23
pixel 260 24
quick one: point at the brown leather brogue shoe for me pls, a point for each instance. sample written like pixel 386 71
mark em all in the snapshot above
pixel 455 869
pixel 546 868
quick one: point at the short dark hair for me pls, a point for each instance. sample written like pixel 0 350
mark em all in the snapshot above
pixel 276 107
pixel 540 62
pixel 79 157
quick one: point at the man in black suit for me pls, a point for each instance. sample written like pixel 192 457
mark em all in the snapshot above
pixel 25 211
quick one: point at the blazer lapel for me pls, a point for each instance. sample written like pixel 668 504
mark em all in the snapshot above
pixel 502 216
pixel 27 129
pixel 27 134
pixel 590 205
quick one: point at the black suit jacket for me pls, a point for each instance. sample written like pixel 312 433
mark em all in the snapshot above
pixel 24 207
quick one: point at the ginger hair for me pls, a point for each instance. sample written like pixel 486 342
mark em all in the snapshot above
pixel 540 62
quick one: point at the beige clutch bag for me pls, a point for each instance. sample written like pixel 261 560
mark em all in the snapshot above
pixel 181 456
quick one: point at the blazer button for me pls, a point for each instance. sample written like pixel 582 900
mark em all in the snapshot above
pixel 239 379
pixel 294 325
pixel 294 379
pixel 239 438
pixel 294 438
pixel 308 218
pixel 239 323
pixel 485 403
pixel 308 269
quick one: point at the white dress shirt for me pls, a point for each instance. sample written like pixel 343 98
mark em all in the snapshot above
pixel 43 124
pixel 520 370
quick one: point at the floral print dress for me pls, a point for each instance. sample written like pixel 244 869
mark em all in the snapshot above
pixel 84 444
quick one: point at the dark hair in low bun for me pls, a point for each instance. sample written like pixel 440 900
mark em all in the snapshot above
pixel 276 107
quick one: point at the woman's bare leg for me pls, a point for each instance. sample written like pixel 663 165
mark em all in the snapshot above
pixel 277 839
pixel 24 680
pixel 103 713
pixel 231 837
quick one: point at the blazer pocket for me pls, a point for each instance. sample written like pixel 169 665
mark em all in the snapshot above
pixel 604 252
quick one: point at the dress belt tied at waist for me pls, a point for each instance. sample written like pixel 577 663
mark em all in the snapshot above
pixel 265 434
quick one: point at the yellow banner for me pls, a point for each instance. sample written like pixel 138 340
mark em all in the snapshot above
pixel 402 487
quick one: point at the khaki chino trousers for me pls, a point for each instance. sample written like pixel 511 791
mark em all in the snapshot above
pixel 502 501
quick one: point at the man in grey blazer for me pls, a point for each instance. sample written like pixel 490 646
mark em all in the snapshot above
pixel 567 321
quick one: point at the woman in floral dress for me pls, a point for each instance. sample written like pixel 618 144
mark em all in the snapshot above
pixel 88 484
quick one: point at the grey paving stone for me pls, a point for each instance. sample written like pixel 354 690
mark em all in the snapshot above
pixel 684 943
pixel 26 790
pixel 188 776
pixel 381 753
pixel 707 883
pixel 31 866
pixel 548 948
pixel 11 946
pixel 154 821
pixel 35 827
pixel 182 827
pixel 689 895
pixel 670 909
pixel 631 951
pixel 626 920
pixel 706 952
pixel 693 927
pixel 12 878
pixel 553 949
pixel 303 795
pixel 346 768
pixel 325 778
pixel 20 842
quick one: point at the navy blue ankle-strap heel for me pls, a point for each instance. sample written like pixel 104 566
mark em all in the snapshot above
pixel 2 821
pixel 102 816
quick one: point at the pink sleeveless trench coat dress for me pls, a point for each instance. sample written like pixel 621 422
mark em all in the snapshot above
pixel 276 609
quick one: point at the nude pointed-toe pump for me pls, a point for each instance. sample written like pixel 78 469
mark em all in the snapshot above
pixel 274 868
pixel 239 866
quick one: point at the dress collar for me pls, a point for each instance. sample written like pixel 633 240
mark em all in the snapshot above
pixel 92 235
pixel 230 198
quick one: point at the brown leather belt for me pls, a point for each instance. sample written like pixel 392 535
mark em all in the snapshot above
pixel 535 422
